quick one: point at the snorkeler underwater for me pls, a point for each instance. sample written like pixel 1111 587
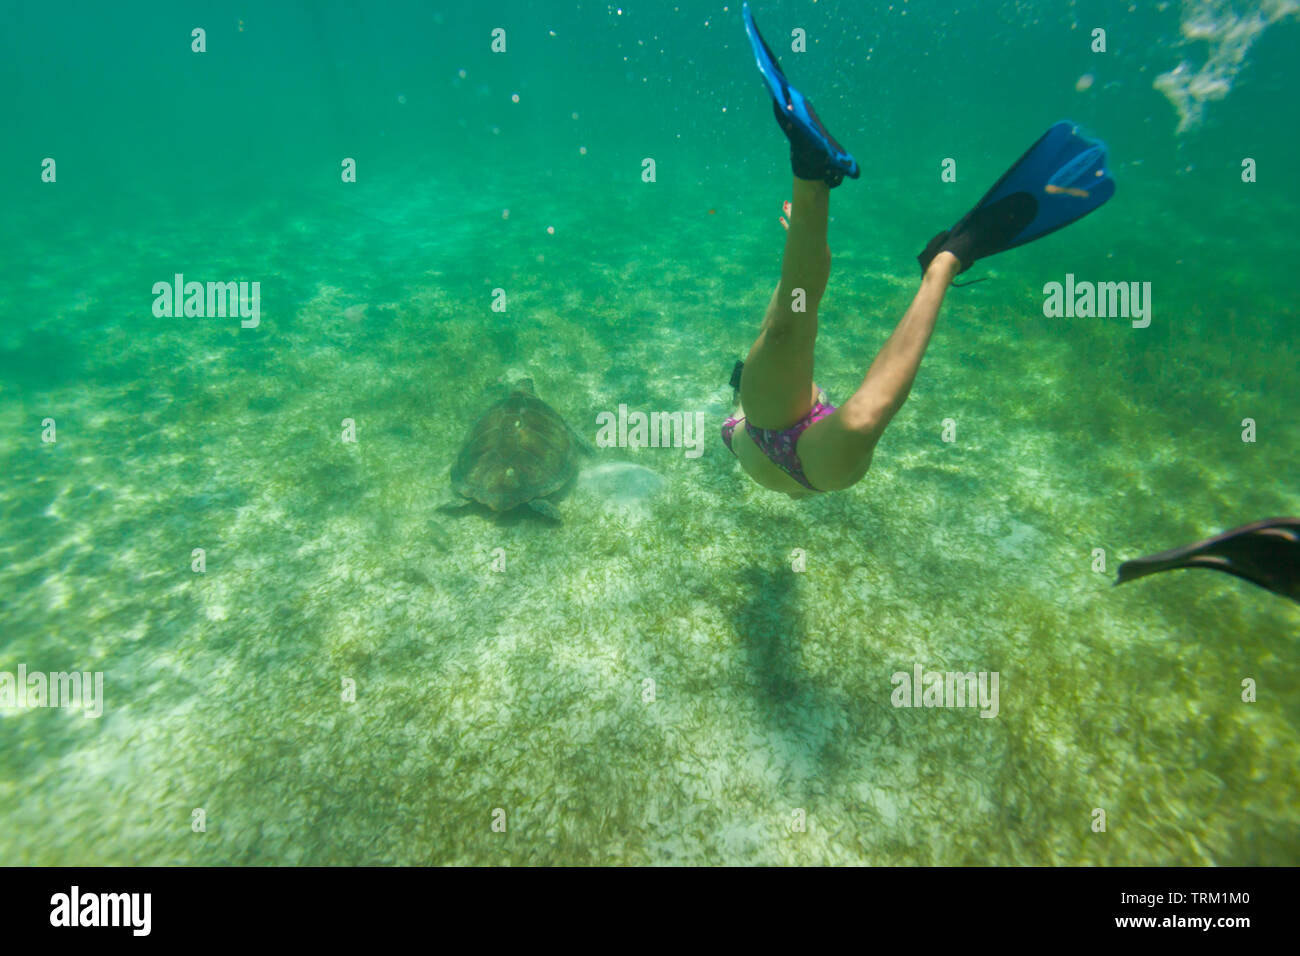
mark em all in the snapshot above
pixel 374 492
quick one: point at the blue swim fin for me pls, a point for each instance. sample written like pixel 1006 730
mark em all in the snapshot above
pixel 1061 178
pixel 814 153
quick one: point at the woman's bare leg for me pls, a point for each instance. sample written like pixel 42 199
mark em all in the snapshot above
pixel 776 386
pixel 836 452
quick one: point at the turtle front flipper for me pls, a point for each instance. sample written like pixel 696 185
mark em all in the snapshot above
pixel 453 503
pixel 584 446
pixel 545 508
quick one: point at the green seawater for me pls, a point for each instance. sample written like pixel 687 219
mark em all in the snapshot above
pixel 357 676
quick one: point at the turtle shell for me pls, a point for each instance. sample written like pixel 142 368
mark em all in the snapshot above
pixel 520 449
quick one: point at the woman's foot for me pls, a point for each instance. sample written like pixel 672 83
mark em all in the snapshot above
pixel 944 267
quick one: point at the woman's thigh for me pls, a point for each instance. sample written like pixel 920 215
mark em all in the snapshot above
pixel 834 454
pixel 776 387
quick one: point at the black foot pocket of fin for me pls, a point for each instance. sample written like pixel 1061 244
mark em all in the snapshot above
pixel 735 374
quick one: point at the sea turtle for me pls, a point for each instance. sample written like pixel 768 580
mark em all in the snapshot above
pixel 517 453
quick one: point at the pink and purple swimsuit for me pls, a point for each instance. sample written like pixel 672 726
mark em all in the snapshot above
pixel 779 444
